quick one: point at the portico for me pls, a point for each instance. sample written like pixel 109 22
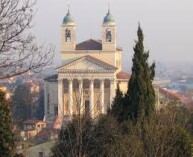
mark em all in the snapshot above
pixel 88 92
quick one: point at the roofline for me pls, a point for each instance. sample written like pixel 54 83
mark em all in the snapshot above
pixel 51 78
pixel 98 41
pixel 115 68
pixel 124 80
pixel 83 51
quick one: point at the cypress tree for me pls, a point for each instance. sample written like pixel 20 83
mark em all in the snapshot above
pixel 140 95
pixel 117 105
pixel 6 135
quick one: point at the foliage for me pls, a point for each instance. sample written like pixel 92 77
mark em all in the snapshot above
pixel 74 139
pixel 6 135
pixel 22 103
pixel 19 155
pixel 27 104
pixel 182 144
pixel 107 139
pixel 165 134
pixel 40 107
pixel 140 99
pixel 117 109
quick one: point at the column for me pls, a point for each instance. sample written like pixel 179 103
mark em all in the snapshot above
pixel 80 103
pixel 45 100
pixel 102 105
pixel 70 97
pixel 112 91
pixel 91 98
pixel 60 101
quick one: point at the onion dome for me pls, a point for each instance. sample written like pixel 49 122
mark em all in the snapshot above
pixel 108 19
pixel 68 20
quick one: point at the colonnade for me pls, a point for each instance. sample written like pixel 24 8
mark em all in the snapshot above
pixel 91 95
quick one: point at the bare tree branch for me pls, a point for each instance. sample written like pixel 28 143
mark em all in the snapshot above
pixel 19 52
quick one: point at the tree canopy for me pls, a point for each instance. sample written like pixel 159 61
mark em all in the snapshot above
pixel 140 98
pixel 7 142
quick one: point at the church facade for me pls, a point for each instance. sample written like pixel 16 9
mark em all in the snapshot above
pixel 87 78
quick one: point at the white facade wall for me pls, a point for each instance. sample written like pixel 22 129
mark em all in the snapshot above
pixel 51 100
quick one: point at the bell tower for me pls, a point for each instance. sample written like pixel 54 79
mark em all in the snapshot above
pixel 68 33
pixel 108 33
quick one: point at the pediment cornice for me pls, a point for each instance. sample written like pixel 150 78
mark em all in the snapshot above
pixel 86 64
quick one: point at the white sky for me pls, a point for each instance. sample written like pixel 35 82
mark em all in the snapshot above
pixel 167 25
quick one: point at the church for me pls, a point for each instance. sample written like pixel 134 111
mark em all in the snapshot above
pixel 88 76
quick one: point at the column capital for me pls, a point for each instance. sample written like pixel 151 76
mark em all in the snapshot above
pixel 80 79
pixel 112 79
pixel 80 84
pixel 60 79
pixel 101 79
pixel 70 79
pixel 102 82
pixel 91 80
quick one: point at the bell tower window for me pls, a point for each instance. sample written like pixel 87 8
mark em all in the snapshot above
pixel 68 35
pixel 108 35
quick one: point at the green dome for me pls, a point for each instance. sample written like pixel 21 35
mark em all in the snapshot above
pixel 108 19
pixel 68 20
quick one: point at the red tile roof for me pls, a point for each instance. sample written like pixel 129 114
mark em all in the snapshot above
pixel 89 45
pixel 32 121
pixel 123 75
pixel 92 44
pixel 188 103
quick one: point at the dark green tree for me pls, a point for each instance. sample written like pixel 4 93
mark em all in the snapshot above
pixel 6 134
pixel 74 139
pixel 117 106
pixel 140 98
pixel 22 103
pixel 107 140
pixel 40 107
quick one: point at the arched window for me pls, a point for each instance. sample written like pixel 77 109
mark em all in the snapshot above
pixel 108 35
pixel 68 35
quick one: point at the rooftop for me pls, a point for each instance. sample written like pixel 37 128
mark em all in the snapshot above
pixel 123 76
pixel 32 121
pixel 91 44
pixel 188 103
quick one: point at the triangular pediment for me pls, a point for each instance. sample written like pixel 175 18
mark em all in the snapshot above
pixel 87 63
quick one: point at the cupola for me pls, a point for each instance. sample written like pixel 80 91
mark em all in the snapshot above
pixel 68 20
pixel 108 19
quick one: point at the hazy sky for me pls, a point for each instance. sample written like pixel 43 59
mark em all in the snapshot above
pixel 167 25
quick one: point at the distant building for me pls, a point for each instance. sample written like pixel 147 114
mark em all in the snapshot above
pixel 31 128
pixel 86 81
pixel 168 96
pixel 5 90
pixel 40 150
